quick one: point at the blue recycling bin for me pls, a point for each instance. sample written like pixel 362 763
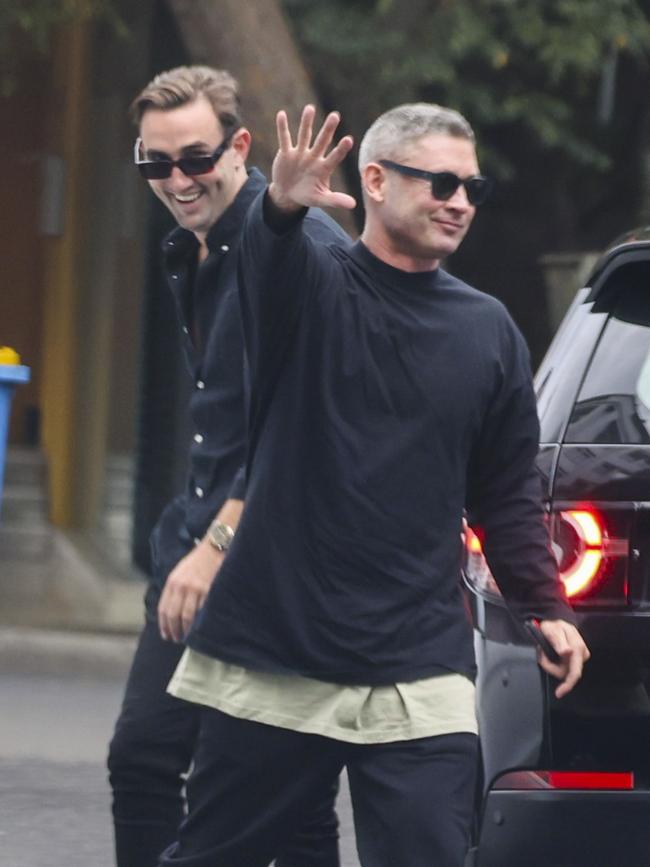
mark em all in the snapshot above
pixel 11 375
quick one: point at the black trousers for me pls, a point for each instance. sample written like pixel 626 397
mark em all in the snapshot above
pixel 252 784
pixel 150 755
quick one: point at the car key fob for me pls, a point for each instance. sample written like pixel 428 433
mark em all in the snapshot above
pixel 532 628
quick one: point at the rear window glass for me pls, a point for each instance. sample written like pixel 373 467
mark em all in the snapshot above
pixel 613 405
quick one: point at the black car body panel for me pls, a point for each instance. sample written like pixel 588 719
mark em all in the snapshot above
pixel 593 390
pixel 600 472
pixel 602 829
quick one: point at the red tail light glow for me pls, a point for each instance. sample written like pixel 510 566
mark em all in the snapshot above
pixel 592 564
pixel 565 780
pixel 473 542
pixel 590 780
pixel 588 556
pixel 476 568
pixel 584 549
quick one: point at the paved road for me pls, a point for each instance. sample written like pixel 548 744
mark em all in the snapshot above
pixel 54 801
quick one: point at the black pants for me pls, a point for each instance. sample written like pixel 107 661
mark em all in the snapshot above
pixel 150 755
pixel 252 784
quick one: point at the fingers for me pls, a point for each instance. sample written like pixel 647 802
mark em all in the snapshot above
pixel 185 590
pixel 326 133
pixel 168 611
pixel 568 643
pixel 169 614
pixel 284 136
pixel 323 138
pixel 301 173
pixel 306 127
pixel 191 604
pixel 576 657
pixel 340 200
pixel 573 676
pixel 176 612
pixel 338 153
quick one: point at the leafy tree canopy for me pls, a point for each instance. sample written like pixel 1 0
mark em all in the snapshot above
pixel 30 23
pixel 547 67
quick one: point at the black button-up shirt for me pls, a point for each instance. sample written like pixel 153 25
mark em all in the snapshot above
pixel 207 302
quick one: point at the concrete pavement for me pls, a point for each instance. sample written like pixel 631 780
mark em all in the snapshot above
pixel 60 692
pixel 64 653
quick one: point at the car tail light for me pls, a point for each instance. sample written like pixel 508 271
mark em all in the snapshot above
pixel 581 559
pixel 565 780
pixel 591 780
pixel 476 568
pixel 592 563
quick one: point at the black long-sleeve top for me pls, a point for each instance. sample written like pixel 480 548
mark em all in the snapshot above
pixel 383 404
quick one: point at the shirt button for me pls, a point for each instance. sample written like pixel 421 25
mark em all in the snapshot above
pixel 170 243
pixel 198 438
pixel 186 330
pixel 199 492
pixel 225 248
pixel 200 384
pixel 174 276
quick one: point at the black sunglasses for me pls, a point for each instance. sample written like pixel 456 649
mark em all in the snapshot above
pixel 156 170
pixel 445 184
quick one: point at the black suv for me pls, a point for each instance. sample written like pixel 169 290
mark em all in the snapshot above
pixel 567 783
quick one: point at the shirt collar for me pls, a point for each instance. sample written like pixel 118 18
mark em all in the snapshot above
pixel 419 281
pixel 179 242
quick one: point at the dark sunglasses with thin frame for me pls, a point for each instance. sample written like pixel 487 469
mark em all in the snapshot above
pixel 158 170
pixel 445 184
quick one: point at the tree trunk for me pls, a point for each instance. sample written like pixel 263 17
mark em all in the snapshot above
pixel 252 40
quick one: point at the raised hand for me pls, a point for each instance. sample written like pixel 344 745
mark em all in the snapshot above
pixel 302 172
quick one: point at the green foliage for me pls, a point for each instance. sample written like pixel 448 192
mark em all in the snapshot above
pixel 525 64
pixel 29 24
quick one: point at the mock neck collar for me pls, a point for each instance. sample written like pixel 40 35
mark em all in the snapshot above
pixel 419 281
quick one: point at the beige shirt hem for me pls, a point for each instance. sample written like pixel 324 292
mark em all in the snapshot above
pixel 353 714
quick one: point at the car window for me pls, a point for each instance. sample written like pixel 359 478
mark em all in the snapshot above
pixel 613 405
pixel 643 384
pixel 562 369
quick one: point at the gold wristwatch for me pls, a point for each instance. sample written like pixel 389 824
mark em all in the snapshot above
pixel 220 535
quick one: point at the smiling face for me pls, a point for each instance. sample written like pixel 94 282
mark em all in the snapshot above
pixel 196 201
pixel 405 225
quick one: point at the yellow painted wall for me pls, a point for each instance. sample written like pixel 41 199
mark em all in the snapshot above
pixel 66 121
pixel 70 296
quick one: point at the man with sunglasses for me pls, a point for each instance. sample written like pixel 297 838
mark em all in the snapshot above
pixel 389 397
pixel 192 149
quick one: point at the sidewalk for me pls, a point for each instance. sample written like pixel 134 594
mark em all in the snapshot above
pixel 26 650
pixel 71 583
pixel 97 642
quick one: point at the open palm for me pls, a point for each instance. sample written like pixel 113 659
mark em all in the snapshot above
pixel 302 173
